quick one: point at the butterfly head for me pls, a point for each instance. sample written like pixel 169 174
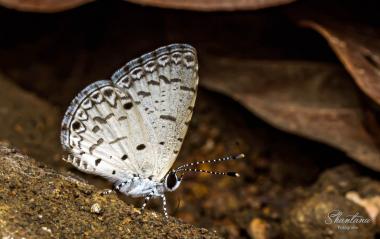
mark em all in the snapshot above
pixel 186 168
pixel 172 182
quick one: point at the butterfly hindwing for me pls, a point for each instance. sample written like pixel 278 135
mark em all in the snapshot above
pixel 102 130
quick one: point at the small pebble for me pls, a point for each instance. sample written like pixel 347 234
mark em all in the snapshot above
pixel 258 229
pixel 209 145
pixel 95 208
pixel 46 229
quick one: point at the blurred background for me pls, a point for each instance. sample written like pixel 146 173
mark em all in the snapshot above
pixel 293 84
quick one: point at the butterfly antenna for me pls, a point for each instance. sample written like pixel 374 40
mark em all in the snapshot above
pixel 239 156
pixel 185 170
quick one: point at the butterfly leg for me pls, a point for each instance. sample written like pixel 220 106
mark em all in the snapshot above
pixel 120 185
pixel 164 206
pixel 146 200
pixel 116 188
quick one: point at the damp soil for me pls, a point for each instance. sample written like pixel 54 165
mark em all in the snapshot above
pixel 37 202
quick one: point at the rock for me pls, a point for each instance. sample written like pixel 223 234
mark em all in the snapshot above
pixel 371 205
pixel 315 217
pixel 37 202
pixel 95 208
pixel 29 123
pixel 258 229
pixel 341 205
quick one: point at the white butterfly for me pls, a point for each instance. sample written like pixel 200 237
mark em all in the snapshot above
pixel 130 129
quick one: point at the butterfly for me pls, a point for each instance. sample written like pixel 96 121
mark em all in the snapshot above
pixel 130 129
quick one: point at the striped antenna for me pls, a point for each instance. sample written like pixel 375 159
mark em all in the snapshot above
pixel 180 168
pixel 231 174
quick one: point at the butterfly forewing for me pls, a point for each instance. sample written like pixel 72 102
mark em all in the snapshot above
pixel 134 124
pixel 164 85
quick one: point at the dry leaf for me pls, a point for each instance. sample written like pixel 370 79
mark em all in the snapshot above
pixel 42 5
pixel 213 5
pixel 358 48
pixel 314 100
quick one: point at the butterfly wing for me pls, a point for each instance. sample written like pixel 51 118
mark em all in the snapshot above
pixel 102 130
pixel 134 124
pixel 163 86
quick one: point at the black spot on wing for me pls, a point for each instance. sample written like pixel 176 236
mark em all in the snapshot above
pixel 152 82
pixel 144 93
pixel 117 139
pixel 189 58
pixel 164 79
pixel 185 88
pixel 93 147
pixel 95 96
pixel 150 65
pixel 168 117
pixel 124 157
pixel 64 127
pixel 108 92
pixel 121 118
pixel 168 81
pixel 128 105
pixel 140 147
pixel 103 120
pixel 95 129
pixel 82 115
pixel 76 125
pixel 97 162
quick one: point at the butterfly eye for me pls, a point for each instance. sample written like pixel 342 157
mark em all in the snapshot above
pixel 171 180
